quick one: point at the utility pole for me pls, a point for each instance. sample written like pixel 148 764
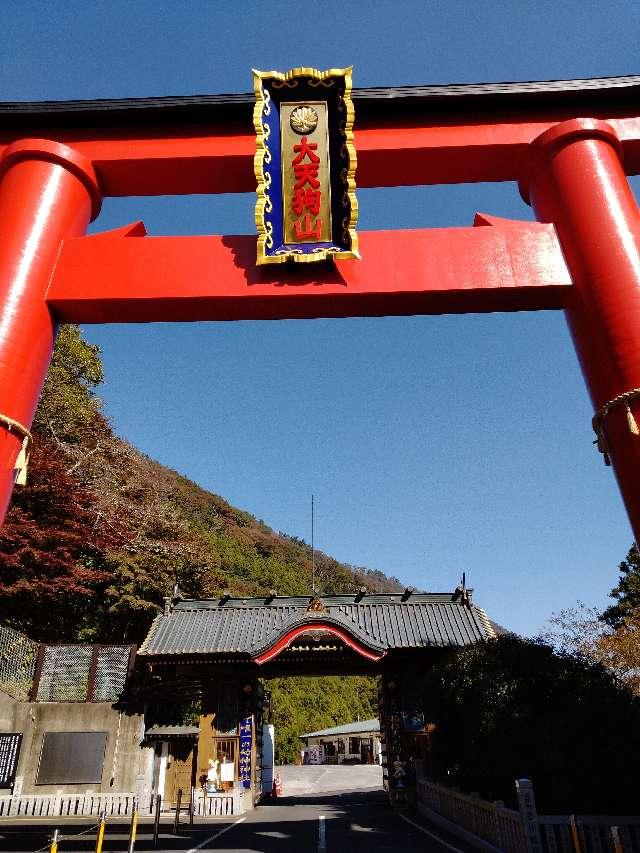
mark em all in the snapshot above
pixel 313 553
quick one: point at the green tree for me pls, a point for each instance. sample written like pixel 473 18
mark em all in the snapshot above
pixel 307 704
pixel 511 708
pixel 68 407
pixel 627 592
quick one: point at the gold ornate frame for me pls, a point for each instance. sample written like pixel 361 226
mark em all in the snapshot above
pixel 263 155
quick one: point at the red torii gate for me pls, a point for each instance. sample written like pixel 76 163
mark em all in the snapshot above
pixel 569 144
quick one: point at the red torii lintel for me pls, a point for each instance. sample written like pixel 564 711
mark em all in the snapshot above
pixel 574 174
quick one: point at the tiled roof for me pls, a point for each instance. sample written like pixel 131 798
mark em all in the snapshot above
pixel 246 627
pixel 348 729
pixel 162 732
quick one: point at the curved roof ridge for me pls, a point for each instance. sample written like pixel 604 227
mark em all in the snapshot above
pixel 308 619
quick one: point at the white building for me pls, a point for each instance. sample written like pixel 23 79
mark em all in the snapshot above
pixel 350 743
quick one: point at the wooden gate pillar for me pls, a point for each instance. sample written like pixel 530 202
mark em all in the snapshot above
pixel 47 192
pixel 576 181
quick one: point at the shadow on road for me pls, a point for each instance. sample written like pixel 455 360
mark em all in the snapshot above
pixel 353 821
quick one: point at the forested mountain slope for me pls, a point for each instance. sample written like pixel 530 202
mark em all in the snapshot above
pixel 102 533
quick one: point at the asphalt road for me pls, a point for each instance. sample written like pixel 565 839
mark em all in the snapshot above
pixel 329 779
pixel 324 809
pixel 360 822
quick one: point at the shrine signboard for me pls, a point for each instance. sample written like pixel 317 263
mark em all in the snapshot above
pixel 305 165
pixel 246 746
pixel 9 754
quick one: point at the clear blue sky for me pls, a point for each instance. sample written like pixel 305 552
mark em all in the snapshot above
pixel 433 444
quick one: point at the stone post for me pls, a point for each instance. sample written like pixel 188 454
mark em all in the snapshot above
pixel 529 814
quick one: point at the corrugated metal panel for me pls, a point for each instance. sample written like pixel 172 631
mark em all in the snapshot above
pixel 243 626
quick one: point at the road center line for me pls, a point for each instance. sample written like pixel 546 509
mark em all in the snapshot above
pixel 322 842
pixel 431 834
pixel 216 835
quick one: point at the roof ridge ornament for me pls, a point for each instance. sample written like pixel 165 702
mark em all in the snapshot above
pixel 462 593
pixel 316 605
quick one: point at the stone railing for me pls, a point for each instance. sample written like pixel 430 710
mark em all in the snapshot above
pixel 113 805
pixel 491 826
pixel 589 833
pixel 501 827
pixel 218 805
pixel 70 805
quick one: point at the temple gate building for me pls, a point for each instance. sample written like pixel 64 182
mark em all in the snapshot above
pixel 186 712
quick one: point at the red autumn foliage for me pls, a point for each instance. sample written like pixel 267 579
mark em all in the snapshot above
pixel 52 563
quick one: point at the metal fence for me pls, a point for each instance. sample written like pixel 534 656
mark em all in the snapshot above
pixel 17 663
pixel 77 673
pixel 66 673
pixel 112 665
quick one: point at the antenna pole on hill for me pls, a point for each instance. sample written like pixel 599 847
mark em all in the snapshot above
pixel 313 553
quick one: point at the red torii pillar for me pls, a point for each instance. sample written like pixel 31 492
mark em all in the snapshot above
pixel 576 180
pixel 47 192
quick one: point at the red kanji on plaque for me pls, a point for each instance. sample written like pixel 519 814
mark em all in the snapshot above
pixel 304 229
pixel 306 198
pixel 306 172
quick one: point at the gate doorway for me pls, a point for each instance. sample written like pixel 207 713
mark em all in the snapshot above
pixel 181 766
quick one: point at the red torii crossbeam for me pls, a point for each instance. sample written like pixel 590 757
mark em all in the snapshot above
pixel 123 276
pixel 570 145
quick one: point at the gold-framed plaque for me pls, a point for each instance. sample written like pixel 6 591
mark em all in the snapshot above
pixel 305 164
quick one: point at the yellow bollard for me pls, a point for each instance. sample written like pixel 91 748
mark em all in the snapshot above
pixel 575 834
pixel 54 842
pixel 100 835
pixel 133 829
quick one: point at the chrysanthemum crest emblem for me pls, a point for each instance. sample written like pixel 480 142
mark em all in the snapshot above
pixel 304 119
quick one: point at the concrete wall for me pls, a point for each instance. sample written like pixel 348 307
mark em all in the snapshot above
pixel 127 765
